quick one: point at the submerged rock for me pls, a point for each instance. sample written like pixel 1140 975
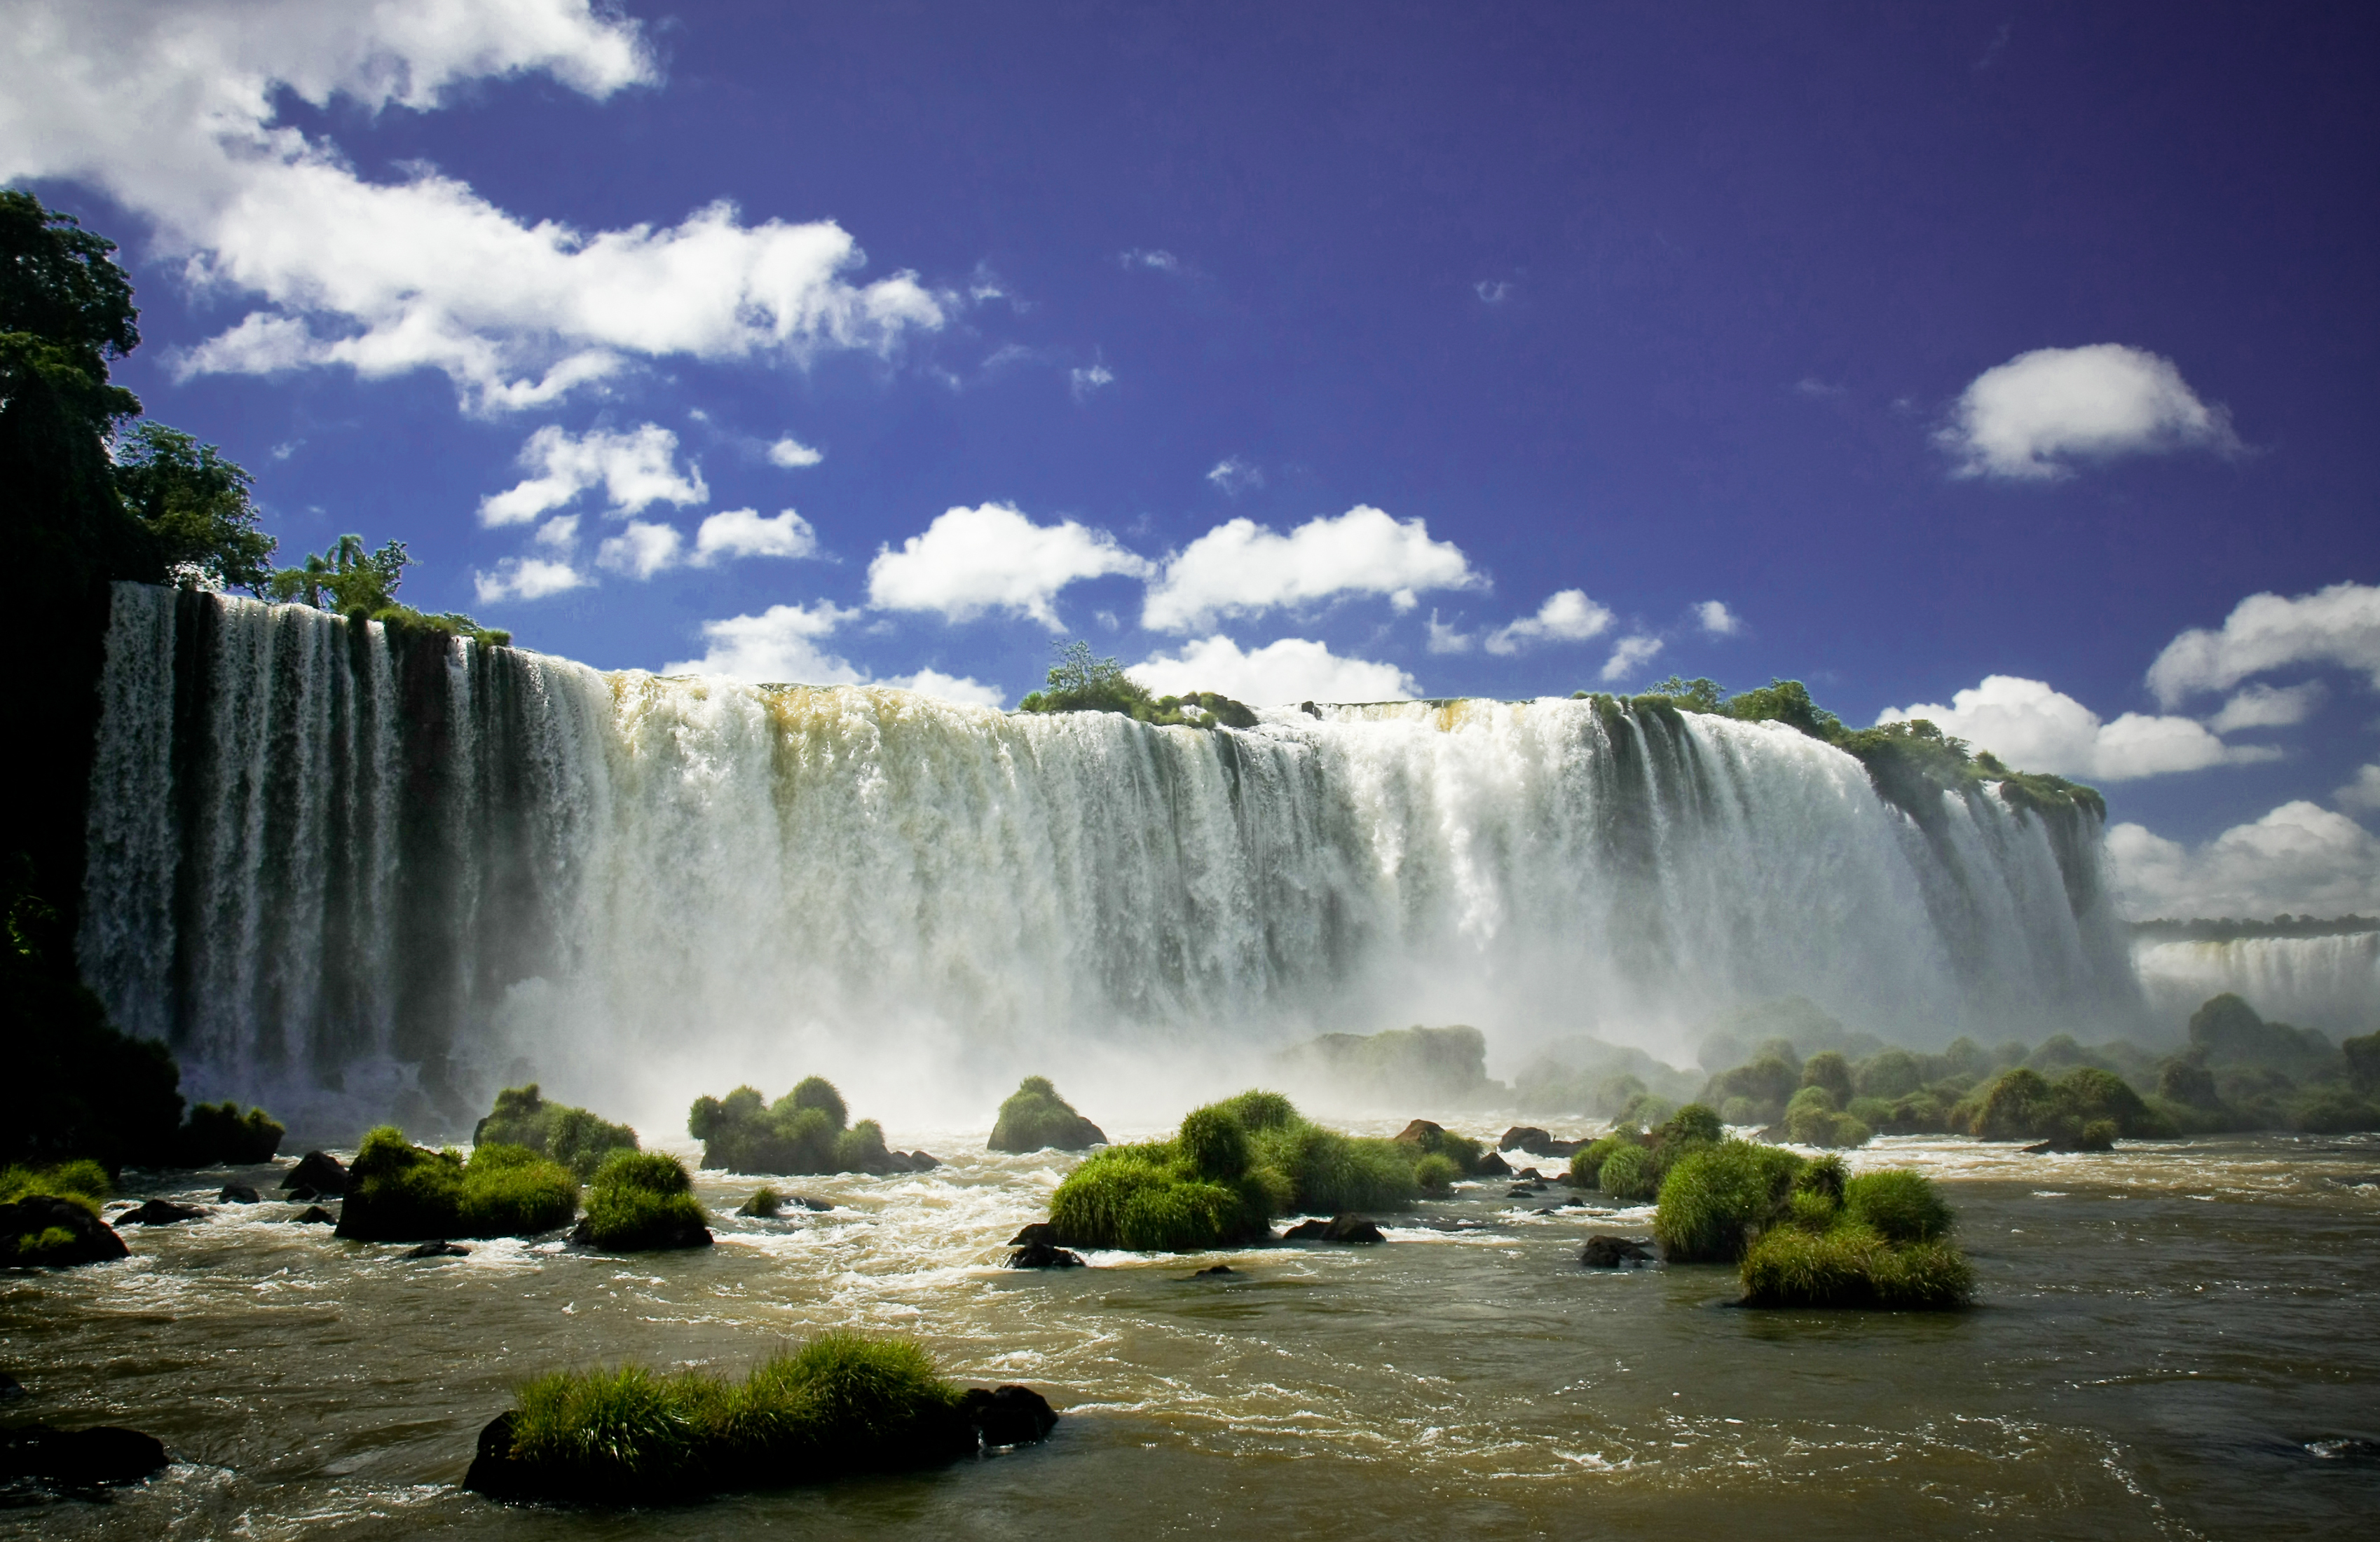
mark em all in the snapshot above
pixel 314 1215
pixel 91 1458
pixel 660 1237
pixel 1535 1142
pixel 41 1230
pixel 1351 1229
pixel 317 1171
pixel 160 1212
pixel 1039 1231
pixel 238 1193
pixel 1210 1273
pixel 439 1249
pixel 1617 1252
pixel 1009 1416
pixel 1043 1254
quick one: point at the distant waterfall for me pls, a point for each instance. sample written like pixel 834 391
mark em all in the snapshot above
pixel 345 872
pixel 2331 983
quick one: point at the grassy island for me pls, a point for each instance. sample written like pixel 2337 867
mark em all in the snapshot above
pixel 641 1202
pixel 1629 1164
pixel 398 1192
pixel 575 1139
pixel 1231 1168
pixel 838 1405
pixel 804 1132
pixel 1804 1233
pixel 1035 1119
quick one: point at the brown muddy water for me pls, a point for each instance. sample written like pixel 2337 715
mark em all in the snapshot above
pixel 2174 1341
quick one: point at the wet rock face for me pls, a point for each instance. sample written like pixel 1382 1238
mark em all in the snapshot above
pixel 1009 1415
pixel 43 1230
pixel 314 1215
pixel 236 1193
pixel 1038 1254
pixel 97 1457
pixel 1617 1253
pixel 160 1212
pixel 317 1171
pixel 1535 1142
pixel 1351 1229
pixel 439 1249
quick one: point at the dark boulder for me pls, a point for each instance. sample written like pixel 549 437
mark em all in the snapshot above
pixel 317 1171
pixel 1528 1175
pixel 1040 1230
pixel 1210 1273
pixel 238 1193
pixel 1351 1229
pixel 1617 1253
pixel 160 1212
pixel 1493 1166
pixel 1043 1255
pixel 43 1230
pixel 1535 1142
pixel 661 1238
pixel 439 1249
pixel 922 1162
pixel 314 1215
pixel 301 1196
pixel 11 1388
pixel 492 1471
pixel 1009 1415
pixel 79 1458
pixel 1519 1191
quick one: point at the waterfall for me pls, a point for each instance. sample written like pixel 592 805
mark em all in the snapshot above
pixel 346 871
pixel 2331 983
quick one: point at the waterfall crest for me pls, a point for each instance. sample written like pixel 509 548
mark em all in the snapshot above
pixel 348 871
pixel 2331 983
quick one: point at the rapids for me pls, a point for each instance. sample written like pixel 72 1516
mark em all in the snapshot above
pixel 346 873
pixel 2171 1341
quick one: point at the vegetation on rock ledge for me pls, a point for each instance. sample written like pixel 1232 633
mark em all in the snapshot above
pixel 801 1133
pixel 577 1139
pixel 398 1192
pixel 1082 682
pixel 1035 1119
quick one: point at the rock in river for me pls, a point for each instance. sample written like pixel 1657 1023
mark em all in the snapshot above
pixel 1351 1229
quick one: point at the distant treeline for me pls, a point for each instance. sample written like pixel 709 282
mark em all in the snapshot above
pixel 2200 929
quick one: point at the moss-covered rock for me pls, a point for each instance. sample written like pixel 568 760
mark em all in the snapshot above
pixel 642 1202
pixel 1035 1118
pixel 398 1192
pixel 577 1139
pixel 804 1132
pixel 219 1133
pixel 840 1404
pixel 49 1216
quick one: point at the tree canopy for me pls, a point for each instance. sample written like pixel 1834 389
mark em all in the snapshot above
pixel 345 578
pixel 199 506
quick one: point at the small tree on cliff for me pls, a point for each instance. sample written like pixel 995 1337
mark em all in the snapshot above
pixel 197 505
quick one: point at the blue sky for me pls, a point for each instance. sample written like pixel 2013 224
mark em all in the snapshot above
pixel 2007 349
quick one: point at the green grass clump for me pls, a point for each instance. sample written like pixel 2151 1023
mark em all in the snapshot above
pixel 220 1133
pixel 1423 1138
pixel 577 1139
pixel 398 1192
pixel 1587 1162
pixel 1629 1174
pixel 801 1133
pixel 765 1202
pixel 840 1403
pixel 82 1180
pixel 644 1200
pixel 1897 1205
pixel 1878 1240
pixel 2022 1104
pixel 1331 1173
pixel 1035 1118
pixel 1436 1174
pixel 1149 1198
pixel 1718 1197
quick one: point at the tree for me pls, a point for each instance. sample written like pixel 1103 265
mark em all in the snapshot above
pixel 346 576
pixel 1701 694
pixel 197 505
pixel 1080 681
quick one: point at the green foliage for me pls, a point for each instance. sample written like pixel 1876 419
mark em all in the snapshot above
pixel 1080 681
pixel 642 1201
pixel 1258 1111
pixel 1436 1174
pixel 398 1192
pixel 2023 1105
pixel 1826 1177
pixel 1698 694
pixel 60 283
pixel 1827 1069
pixel 83 1181
pixel 840 1403
pixel 2226 1031
pixel 1695 1123
pixel 1423 1138
pixel 1629 1174
pixel 1718 1197
pixel 1147 1198
pixel 802 1131
pixel 765 1202
pixel 1035 1118
pixel 1587 1162
pixel 1214 1143
pixel 1889 1074
pixel 1897 1205
pixel 220 1133
pixel 1848 1265
pixel 362 586
pixel 1331 1173
pixel 2363 1057
pixel 200 507
pixel 2334 1110
pixel 1764 1086
pixel 1443 1065
pixel 577 1139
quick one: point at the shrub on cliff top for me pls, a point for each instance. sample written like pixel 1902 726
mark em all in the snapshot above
pixel 1035 1118
pixel 398 1192
pixel 577 1139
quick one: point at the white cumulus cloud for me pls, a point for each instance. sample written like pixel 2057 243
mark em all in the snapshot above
pixel 2363 791
pixel 2267 707
pixel 170 110
pixel 1294 669
pixel 733 533
pixel 2339 625
pixel 964 689
pixel 1241 567
pixel 1235 475
pixel 792 453
pixel 1629 655
pixel 993 558
pixel 636 469
pixel 641 550
pixel 2031 727
pixel 2300 858
pixel 780 646
pixel 1086 379
pixel 1568 616
pixel 2027 419
pixel 525 578
pixel 1714 617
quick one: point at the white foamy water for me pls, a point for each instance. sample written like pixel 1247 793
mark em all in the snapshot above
pixel 2331 983
pixel 347 874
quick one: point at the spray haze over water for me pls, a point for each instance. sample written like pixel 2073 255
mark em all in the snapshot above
pixel 346 872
